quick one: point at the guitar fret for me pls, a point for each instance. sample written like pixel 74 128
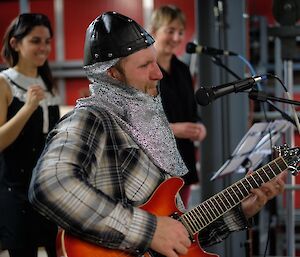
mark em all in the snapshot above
pixel 217 205
pixel 244 186
pixel 185 219
pixel 230 196
pixel 278 166
pixel 254 180
pixel 243 189
pixel 274 169
pixel 234 193
pixel 250 185
pixel 231 201
pixel 226 198
pixel 209 210
pixel 284 165
pixel 204 218
pixel 221 202
pixel 266 173
pixel 199 221
pixel 206 210
pixel 199 217
pixel 213 208
pixel 262 181
pixel 241 196
pixel 194 220
pixel 281 165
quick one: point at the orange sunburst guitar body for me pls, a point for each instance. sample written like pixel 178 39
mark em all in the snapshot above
pixel 162 203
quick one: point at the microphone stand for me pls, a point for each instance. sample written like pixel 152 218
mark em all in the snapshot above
pixel 263 97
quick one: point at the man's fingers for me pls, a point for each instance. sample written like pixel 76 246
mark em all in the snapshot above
pixel 181 249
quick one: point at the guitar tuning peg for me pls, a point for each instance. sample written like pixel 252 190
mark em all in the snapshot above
pixel 293 170
pixel 277 151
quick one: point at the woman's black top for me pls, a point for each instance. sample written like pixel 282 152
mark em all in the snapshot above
pixel 177 94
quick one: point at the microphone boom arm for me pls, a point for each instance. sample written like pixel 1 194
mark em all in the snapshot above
pixel 263 97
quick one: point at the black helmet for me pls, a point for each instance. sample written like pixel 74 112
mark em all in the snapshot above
pixel 113 35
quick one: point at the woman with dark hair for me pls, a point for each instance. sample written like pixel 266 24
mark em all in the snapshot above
pixel 29 109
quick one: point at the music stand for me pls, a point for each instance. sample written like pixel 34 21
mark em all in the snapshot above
pixel 253 147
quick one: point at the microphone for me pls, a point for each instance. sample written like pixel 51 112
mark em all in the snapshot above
pixel 204 96
pixel 192 48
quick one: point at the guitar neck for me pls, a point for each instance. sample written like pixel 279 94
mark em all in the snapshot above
pixel 210 210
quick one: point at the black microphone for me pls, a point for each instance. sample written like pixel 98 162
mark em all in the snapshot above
pixel 192 48
pixel 204 95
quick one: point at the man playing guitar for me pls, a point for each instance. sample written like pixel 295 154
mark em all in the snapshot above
pixel 109 164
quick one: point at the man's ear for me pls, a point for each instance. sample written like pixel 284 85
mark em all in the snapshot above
pixel 110 72
pixel 114 73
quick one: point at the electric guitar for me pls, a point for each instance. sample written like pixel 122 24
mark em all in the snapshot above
pixel 162 203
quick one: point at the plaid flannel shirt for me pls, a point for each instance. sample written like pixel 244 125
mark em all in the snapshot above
pixel 92 177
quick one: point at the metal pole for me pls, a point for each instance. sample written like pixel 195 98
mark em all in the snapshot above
pixel 24 6
pixel 59 43
pixel 290 194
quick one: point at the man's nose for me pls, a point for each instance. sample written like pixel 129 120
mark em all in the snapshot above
pixel 156 73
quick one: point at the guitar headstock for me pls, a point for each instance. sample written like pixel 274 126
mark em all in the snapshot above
pixel 291 155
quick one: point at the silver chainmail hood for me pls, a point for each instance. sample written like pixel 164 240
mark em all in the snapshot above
pixel 138 113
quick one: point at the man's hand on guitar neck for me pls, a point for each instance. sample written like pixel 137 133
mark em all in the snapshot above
pixel 171 238
pixel 260 196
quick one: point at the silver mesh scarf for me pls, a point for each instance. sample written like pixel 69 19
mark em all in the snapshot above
pixel 139 114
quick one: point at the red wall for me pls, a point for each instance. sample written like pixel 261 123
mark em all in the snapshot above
pixel 78 15
pixel 261 8
pixel 8 11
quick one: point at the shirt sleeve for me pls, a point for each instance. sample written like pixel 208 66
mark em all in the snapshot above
pixel 61 189
pixel 233 220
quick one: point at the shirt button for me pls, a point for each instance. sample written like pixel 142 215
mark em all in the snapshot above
pixel 9 189
pixel 33 149
pixel 22 170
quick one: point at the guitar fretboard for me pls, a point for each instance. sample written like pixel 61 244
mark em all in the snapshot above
pixel 210 210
